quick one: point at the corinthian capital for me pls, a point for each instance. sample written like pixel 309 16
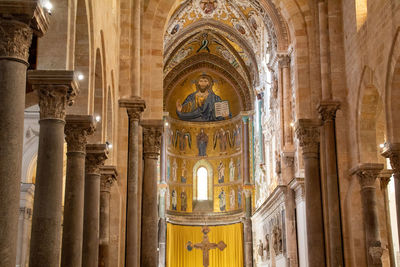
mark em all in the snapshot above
pixel 307 131
pixel 392 151
pixel 367 173
pixel 327 109
pixel 134 107
pixel 56 89
pixel 77 128
pixel 152 132
pixel 96 155
pixel 109 175
pixel 15 40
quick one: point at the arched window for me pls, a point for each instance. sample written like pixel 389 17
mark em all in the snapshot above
pixel 202 184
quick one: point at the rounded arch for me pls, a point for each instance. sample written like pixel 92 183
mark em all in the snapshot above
pixel 210 179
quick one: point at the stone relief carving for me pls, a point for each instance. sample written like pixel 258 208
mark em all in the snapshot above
pixel 15 39
pixel 152 141
pixel 76 136
pixel 53 100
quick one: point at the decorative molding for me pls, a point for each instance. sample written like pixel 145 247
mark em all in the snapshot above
pixel 77 128
pixel 307 131
pixel 367 174
pixel 134 107
pixel 327 109
pixel 96 155
pixel 152 132
pixel 16 38
pixel 109 175
pixel 297 185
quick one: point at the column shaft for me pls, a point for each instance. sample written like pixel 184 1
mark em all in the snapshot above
pixel 152 132
pixel 162 227
pixel 284 64
pixel 246 152
pixel 307 132
pixel 55 89
pixel 76 131
pixel 324 52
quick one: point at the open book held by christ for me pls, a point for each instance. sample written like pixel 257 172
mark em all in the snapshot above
pixel 222 109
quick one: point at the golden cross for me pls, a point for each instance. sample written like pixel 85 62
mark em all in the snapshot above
pixel 206 246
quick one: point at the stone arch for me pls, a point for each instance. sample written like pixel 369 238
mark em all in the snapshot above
pixel 370 119
pixel 210 181
pixel 392 91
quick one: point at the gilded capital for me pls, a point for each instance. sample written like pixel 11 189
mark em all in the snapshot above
pixel 96 155
pixel 55 89
pixel 16 38
pixel 327 109
pixel 109 175
pixel 134 107
pixel 307 131
pixel 392 151
pixel 152 132
pixel 367 174
pixel 77 129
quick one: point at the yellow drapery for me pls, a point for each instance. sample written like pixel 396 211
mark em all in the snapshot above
pixel 179 256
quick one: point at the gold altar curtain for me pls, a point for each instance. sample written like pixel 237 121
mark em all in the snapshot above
pixel 179 256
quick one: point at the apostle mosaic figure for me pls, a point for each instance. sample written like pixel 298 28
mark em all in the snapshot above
pixel 222 200
pixel 183 201
pixel 236 137
pixel 222 137
pixel 200 105
pixel 168 169
pixel 239 198
pixel 174 200
pixel 183 138
pixel 231 171
pixel 221 172
pixel 232 199
pixel 238 169
pixel 184 172
pixel 174 170
pixel 202 142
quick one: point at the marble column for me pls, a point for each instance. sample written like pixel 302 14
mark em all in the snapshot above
pixel 324 51
pixel 367 174
pixel 284 65
pixel 109 175
pixel 327 110
pixel 248 229
pixel 77 128
pixel 152 132
pixel 16 37
pixel 307 131
pixel 246 150
pixel 290 209
pixel 392 151
pixel 384 177
pixel 134 106
pixel 162 226
pixel 96 155
pixel 56 90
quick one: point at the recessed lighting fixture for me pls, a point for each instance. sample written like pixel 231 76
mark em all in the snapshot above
pixel 166 124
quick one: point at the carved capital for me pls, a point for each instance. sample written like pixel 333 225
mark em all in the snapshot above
pixel 152 132
pixel 392 151
pixel 367 174
pixel 96 155
pixel 15 40
pixel 56 90
pixel 307 131
pixel 109 175
pixel 376 252
pixel 77 128
pixel 327 110
pixel 134 107
pixel 384 177
pixel 288 159
pixel 283 61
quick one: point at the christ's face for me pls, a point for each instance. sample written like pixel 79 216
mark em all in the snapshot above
pixel 203 84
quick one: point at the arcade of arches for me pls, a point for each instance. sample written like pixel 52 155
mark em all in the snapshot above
pixel 199 133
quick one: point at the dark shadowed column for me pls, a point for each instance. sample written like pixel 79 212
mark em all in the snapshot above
pixel 152 132
pixel 55 89
pixel 96 155
pixel 15 39
pixel 77 128
pixel 367 174
pixel 307 131
pixel 134 107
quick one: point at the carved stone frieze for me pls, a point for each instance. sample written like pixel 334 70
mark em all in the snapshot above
pixel 77 128
pixel 152 132
pixel 134 107
pixel 96 155
pixel 367 174
pixel 307 131
pixel 392 151
pixel 15 40
pixel 328 109
pixel 109 175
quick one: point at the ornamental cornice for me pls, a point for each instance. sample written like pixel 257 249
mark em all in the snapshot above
pixel 297 185
pixel 77 129
pixel 16 38
pixel 134 107
pixel 152 132
pixel 327 109
pixel 308 134
pixel 96 155
pixel 109 176
pixel 367 173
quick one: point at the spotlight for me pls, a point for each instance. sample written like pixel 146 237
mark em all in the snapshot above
pixel 166 124
pixel 382 145
pixel 49 6
pixel 109 145
pixel 98 118
pixel 81 77
pixel 292 124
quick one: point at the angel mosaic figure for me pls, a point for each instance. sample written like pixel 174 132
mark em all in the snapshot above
pixel 182 138
pixel 222 200
pixel 208 6
pixel 223 137
pixel 221 172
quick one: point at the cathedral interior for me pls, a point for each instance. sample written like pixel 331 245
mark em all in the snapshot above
pixel 214 133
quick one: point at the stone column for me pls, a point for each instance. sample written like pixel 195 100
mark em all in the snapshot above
pixel 55 89
pixel 324 51
pixel 384 177
pixel 16 37
pixel 248 229
pixel 367 174
pixel 284 65
pixel 307 131
pixel 392 151
pixel 290 208
pixel 109 175
pixel 327 110
pixel 77 128
pixel 134 106
pixel 162 235
pixel 245 149
pixel 152 132
pixel 96 155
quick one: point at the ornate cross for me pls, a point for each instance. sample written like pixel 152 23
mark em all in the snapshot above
pixel 206 246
